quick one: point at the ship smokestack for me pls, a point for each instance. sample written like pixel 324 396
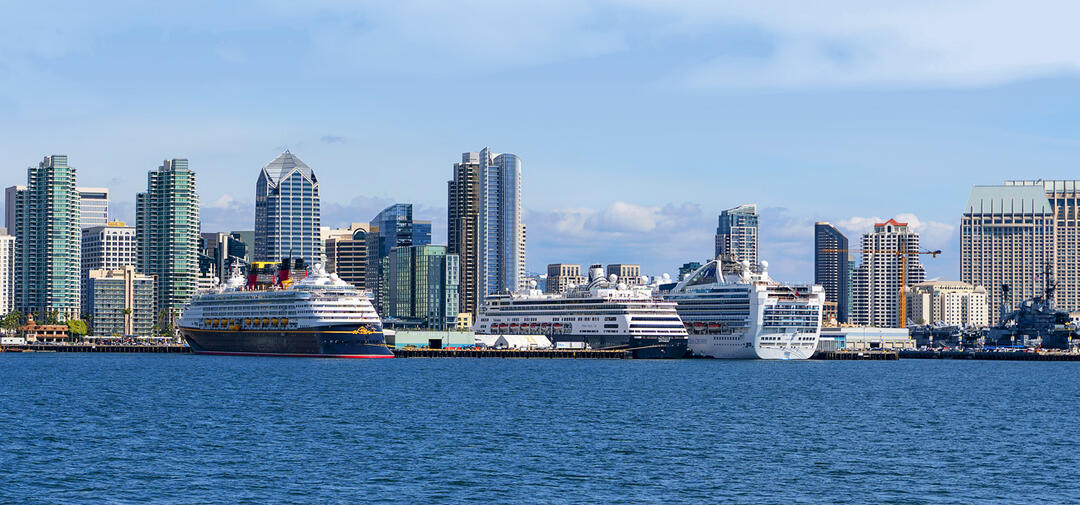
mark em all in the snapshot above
pixel 283 271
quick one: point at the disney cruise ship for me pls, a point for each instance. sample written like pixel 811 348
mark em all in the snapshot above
pixel 602 314
pixel 317 316
pixel 732 312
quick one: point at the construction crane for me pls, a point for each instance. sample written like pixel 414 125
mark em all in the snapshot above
pixel 903 255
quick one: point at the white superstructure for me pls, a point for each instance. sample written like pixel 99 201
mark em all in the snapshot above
pixel 733 313
pixel 317 301
pixel 602 314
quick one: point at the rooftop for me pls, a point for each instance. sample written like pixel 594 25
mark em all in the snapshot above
pixel 1008 198
pixel 284 165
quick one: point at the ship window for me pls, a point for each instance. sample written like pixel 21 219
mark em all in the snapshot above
pixel 705 276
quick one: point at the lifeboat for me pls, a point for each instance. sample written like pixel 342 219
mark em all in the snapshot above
pixel 208 322
pixel 284 321
pixel 266 321
pixel 274 321
pixel 247 321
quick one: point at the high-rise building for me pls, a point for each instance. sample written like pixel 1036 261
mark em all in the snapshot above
pixel 93 207
pixel 626 273
pixel 950 303
pixel 246 239
pixel 1013 233
pixel 560 276
pixel 687 269
pixel 7 272
pixel 876 283
pixel 218 252
pixel 737 234
pixel 463 224
pixel 108 247
pixel 422 286
pixel 500 230
pixel 831 268
pixel 121 302
pixel 48 241
pixel 12 196
pixel 167 232
pixel 287 211
pixel 346 253
pixel 393 227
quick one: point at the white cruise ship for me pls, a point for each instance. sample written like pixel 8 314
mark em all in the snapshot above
pixel 733 313
pixel 602 314
pixel 318 316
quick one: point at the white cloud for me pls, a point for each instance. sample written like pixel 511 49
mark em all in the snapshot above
pixel 932 234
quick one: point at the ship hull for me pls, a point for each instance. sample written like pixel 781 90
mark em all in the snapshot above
pixel 777 346
pixel 648 347
pixel 331 341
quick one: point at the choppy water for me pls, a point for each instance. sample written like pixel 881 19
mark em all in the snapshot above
pixel 92 428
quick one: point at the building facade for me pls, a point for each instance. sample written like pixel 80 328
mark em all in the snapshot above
pixel 876 286
pixel 12 196
pixel 831 268
pixel 950 303
pixel 393 227
pixel 48 241
pixel 737 234
pixel 560 276
pixel 501 231
pixel 121 302
pixel 463 225
pixel 346 253
pixel 1013 233
pixel 108 247
pixel 167 234
pixel 687 269
pixel 218 252
pixel 93 207
pixel 7 272
pixel 422 287
pixel 626 273
pixel 287 216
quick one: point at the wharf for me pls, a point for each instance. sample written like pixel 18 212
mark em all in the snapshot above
pixel 410 352
pixel 856 355
pixel 95 348
pixel 992 355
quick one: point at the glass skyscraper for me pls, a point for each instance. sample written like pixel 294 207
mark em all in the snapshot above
pixel 48 241
pixel 737 234
pixel 831 269
pixel 167 234
pixel 421 286
pixel 393 227
pixel 501 232
pixel 287 211
pixel 93 207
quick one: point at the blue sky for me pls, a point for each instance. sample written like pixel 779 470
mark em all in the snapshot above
pixel 637 121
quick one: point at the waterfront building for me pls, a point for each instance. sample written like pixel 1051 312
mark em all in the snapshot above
pixel 393 227
pixel 7 272
pixel 121 301
pixel 422 287
pixel 93 207
pixel 876 282
pixel 287 218
pixel 48 241
pixel 864 338
pixel 463 224
pixel 1011 233
pixel 948 303
pixel 737 234
pixel 560 276
pixel 627 273
pixel 167 233
pixel 346 253
pixel 109 247
pixel 831 269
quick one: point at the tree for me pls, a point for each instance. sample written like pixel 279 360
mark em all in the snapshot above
pixel 11 320
pixel 52 317
pixel 77 328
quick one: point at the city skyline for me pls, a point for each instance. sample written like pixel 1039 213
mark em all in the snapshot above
pixel 630 152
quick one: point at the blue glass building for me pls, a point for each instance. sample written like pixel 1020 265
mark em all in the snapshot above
pixel 501 231
pixel 393 227
pixel 287 211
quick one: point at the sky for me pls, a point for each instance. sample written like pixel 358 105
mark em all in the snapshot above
pixel 637 121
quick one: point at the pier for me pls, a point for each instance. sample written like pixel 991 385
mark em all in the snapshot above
pixel 95 348
pixel 992 355
pixel 857 355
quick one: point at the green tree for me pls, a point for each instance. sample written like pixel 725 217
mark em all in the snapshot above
pixel 52 317
pixel 11 320
pixel 77 328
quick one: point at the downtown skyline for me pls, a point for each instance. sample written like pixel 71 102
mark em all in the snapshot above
pixel 630 155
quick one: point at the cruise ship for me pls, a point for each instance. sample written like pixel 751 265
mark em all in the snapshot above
pixel 731 312
pixel 600 314
pixel 317 316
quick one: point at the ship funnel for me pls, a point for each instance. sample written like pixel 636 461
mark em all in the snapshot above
pixel 596 272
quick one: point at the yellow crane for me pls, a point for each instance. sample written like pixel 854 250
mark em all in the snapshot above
pixel 903 255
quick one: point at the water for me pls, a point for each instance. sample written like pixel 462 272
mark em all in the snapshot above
pixel 94 428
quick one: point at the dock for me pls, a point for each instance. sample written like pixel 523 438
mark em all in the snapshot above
pixel 511 353
pixel 992 355
pixel 876 355
pixel 95 348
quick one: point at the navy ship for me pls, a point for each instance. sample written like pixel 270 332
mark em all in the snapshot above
pixel 317 316
pixel 1035 323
